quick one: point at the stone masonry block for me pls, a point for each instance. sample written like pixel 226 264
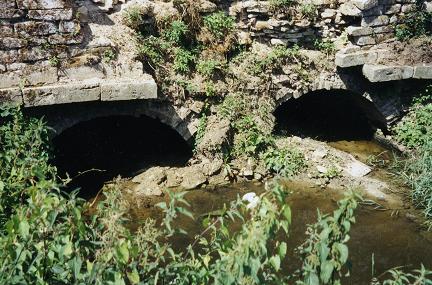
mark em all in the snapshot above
pixel 8 56
pixel 359 31
pixel 115 90
pixel 11 95
pixel 10 13
pixel 423 71
pixel 365 4
pixel 7 4
pixel 83 91
pixel 6 30
pixel 381 73
pixel 69 27
pixel 51 15
pixel 35 28
pixel 375 21
pixel 356 58
pixel 28 77
pixel 11 43
pixel 44 4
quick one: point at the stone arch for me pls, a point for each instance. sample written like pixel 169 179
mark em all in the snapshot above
pixel 376 109
pixel 65 116
pixel 360 111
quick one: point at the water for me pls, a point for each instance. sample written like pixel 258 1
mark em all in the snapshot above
pixel 394 241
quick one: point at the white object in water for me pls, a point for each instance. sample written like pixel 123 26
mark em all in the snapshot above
pixel 252 200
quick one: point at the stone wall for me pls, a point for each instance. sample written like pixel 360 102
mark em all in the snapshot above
pixel 59 51
pixel 364 22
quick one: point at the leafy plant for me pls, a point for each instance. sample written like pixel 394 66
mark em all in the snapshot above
pixel 208 67
pixel 325 45
pixel 274 58
pixel 416 128
pixel 153 50
pixel 133 17
pixel 183 60
pixel 177 32
pixel 325 252
pixel 309 10
pixel 219 24
pixel 286 162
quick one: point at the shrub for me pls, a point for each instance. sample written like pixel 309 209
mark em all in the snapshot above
pixel 414 24
pixel 250 139
pixel 416 128
pixel 219 24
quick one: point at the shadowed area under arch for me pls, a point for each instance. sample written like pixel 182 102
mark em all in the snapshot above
pixel 116 145
pixel 329 115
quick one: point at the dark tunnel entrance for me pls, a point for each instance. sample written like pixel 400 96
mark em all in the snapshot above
pixel 96 151
pixel 328 116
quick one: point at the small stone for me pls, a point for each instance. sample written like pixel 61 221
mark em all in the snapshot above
pixel 357 169
pixel 321 169
pixel 319 153
pixel 349 9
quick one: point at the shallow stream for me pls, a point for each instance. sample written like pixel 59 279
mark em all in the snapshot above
pixel 394 240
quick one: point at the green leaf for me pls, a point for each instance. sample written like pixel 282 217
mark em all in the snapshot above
pixel 326 271
pixel 287 213
pixel 312 279
pixel 275 262
pixel 67 249
pixel 122 253
pixel 133 276
pixel 24 228
pixel 282 249
pixel 343 252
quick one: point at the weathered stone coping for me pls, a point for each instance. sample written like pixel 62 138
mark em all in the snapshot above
pixel 82 91
pixel 380 72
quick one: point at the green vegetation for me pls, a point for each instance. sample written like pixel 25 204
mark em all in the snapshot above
pixel 286 161
pixel 415 132
pixel 325 251
pixel 183 60
pixel 325 45
pixel 309 10
pixel 49 237
pixel 207 68
pixel 415 24
pixel 133 17
pixel 219 24
pixel 279 5
pixel 177 32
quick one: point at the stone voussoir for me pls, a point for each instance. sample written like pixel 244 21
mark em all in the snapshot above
pixel 382 73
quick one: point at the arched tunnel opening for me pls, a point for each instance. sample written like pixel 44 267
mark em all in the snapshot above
pixel 329 115
pixel 98 150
